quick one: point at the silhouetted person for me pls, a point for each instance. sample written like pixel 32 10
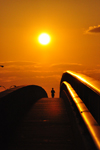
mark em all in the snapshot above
pixel 52 92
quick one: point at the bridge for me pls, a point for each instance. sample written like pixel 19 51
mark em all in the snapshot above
pixel 31 120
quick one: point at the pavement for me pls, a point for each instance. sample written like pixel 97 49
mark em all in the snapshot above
pixel 48 125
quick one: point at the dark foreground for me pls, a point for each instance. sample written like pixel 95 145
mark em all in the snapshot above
pixel 49 125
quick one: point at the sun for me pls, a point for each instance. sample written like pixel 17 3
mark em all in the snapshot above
pixel 44 38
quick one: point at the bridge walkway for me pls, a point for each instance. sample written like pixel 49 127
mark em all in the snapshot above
pixel 49 125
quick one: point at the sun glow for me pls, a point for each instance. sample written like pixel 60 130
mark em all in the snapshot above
pixel 44 39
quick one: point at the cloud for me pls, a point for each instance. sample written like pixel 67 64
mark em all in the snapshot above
pixel 49 76
pixel 20 66
pixel 7 63
pixel 93 29
pixel 10 79
pixel 66 66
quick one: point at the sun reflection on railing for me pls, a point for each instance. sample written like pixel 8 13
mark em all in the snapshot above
pixel 90 122
pixel 86 81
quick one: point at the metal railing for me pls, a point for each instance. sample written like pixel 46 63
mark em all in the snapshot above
pixel 85 93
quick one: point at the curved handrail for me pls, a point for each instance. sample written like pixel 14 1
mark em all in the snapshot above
pixel 87 89
pixel 88 81
pixel 92 126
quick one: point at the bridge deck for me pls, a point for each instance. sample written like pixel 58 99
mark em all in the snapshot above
pixel 49 125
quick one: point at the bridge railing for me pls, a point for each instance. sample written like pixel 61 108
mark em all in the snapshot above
pixel 87 89
pixel 85 93
pixel 14 104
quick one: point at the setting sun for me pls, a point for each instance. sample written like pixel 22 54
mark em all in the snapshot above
pixel 44 38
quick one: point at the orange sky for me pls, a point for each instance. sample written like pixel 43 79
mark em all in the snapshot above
pixel 74 28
